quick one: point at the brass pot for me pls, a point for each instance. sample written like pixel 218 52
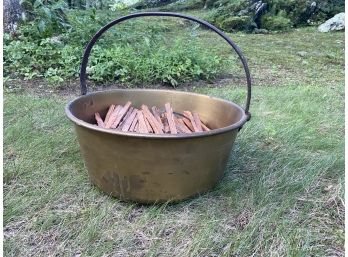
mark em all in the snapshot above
pixel 150 168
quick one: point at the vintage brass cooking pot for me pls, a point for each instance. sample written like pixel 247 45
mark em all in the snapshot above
pixel 150 168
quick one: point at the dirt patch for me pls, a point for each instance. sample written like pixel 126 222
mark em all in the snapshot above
pixel 71 87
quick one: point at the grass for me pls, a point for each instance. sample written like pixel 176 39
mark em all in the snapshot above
pixel 282 193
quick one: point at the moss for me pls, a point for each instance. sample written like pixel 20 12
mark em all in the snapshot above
pixel 275 22
pixel 238 23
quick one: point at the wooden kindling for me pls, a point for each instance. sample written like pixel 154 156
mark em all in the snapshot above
pixel 129 119
pixel 142 125
pixel 129 112
pixel 111 109
pixel 180 123
pixel 189 115
pixel 197 121
pixel 156 126
pixel 134 123
pixel 170 118
pixel 205 128
pixel 121 114
pixel 188 124
pixel 156 114
pixel 148 126
pixel 113 116
pixel 99 120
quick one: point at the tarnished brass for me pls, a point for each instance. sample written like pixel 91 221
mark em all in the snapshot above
pixel 150 168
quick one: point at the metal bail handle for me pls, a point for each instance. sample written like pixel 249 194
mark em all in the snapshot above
pixel 83 75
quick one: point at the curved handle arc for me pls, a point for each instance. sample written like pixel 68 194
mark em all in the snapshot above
pixel 83 75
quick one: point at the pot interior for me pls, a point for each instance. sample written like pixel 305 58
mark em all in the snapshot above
pixel 214 112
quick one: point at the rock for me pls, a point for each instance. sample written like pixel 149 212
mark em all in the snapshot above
pixel 260 8
pixel 89 70
pixel 55 40
pixel 335 23
pixel 302 53
pixel 261 31
pixel 243 12
pixel 312 7
pixel 255 11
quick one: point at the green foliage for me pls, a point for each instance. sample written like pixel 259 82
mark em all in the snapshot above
pixel 182 6
pixel 277 22
pixel 133 54
pixel 154 63
pixel 48 17
pixel 279 14
pixel 117 5
pixel 43 58
pixel 238 23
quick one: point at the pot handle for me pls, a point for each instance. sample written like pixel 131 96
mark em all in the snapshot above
pixel 91 43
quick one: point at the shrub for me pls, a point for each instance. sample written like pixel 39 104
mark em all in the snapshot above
pixel 279 14
pixel 276 22
pixel 183 5
pixel 129 56
pixel 154 63
pixel 30 59
pixel 238 23
pixel 48 17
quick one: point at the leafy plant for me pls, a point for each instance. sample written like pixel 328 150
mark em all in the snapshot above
pixel 47 16
pixel 128 56
pixel 154 63
pixel 276 22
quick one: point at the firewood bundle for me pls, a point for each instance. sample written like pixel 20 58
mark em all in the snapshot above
pixel 127 118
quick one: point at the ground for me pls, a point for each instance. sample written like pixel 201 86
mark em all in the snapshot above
pixel 282 193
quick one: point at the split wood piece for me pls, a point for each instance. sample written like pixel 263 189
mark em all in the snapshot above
pixel 111 109
pixel 148 126
pixel 121 114
pixel 180 123
pixel 129 121
pixel 129 112
pixel 142 125
pixel 134 123
pixel 157 115
pixel 99 120
pixel 205 128
pixel 197 121
pixel 136 129
pixel 165 123
pixel 167 129
pixel 170 119
pixel 156 126
pixel 192 120
pixel 113 116
pixel 188 124
pixel 179 126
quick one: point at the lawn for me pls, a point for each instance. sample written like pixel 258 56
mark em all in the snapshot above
pixel 283 189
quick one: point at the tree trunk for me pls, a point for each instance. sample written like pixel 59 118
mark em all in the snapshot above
pixel 12 14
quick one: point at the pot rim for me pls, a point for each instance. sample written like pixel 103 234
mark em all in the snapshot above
pixel 85 124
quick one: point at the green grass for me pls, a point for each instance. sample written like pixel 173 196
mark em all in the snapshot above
pixel 282 193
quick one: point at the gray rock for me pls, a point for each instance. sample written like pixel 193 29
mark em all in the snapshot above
pixel 335 23
pixel 55 40
pixel 243 12
pixel 302 53
pixel 261 31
